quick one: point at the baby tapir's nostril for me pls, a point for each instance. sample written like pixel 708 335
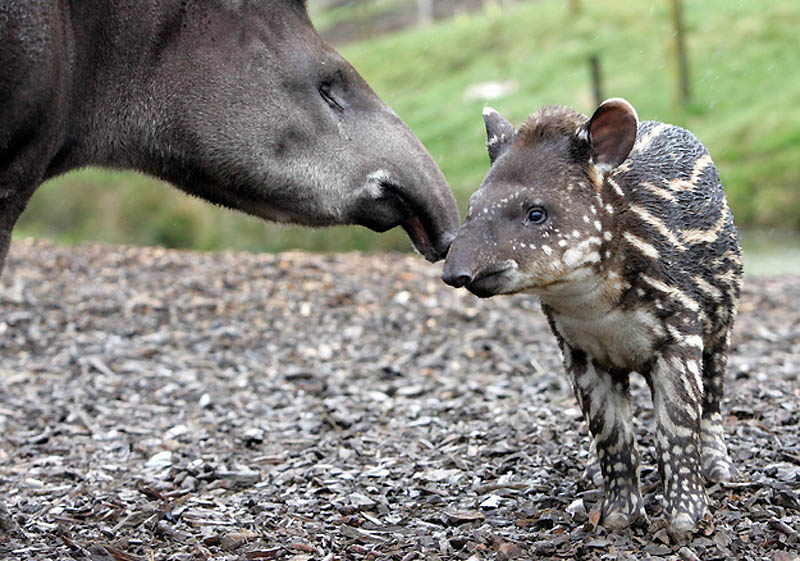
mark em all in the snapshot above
pixel 457 279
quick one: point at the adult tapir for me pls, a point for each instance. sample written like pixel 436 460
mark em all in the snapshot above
pixel 239 102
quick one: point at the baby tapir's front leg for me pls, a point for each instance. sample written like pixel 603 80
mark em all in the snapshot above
pixel 677 387
pixel 605 401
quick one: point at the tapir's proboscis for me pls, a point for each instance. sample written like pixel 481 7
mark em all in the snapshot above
pixel 238 102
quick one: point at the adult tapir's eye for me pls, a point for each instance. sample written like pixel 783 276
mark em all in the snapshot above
pixel 332 88
pixel 537 215
pixel 326 92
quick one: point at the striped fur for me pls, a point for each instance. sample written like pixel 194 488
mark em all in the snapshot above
pixel 641 273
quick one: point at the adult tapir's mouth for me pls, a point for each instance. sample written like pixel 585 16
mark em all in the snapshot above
pixel 418 224
pixel 418 236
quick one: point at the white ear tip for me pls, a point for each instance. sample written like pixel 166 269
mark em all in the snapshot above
pixel 489 111
pixel 623 102
pixel 617 100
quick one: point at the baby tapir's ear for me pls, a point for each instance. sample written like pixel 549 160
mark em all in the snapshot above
pixel 612 132
pixel 499 133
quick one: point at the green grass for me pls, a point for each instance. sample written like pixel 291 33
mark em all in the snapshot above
pixel 770 252
pixel 745 68
pixel 362 13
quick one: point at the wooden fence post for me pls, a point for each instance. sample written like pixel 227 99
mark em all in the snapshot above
pixel 682 54
pixel 425 12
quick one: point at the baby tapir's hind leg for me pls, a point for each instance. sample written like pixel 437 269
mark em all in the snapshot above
pixel 606 406
pixel 676 384
pixel 717 465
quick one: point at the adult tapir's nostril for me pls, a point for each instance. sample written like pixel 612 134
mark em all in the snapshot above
pixel 457 279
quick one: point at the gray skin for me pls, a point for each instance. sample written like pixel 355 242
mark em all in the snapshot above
pixel 238 102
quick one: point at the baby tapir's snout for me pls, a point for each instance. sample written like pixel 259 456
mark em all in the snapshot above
pixel 459 269
pixel 469 266
pixel 457 276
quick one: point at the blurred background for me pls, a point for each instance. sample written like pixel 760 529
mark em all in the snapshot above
pixel 728 70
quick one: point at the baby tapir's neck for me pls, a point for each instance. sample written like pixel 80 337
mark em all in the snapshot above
pixel 599 315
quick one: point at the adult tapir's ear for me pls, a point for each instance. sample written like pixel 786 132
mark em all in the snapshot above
pixel 612 132
pixel 499 133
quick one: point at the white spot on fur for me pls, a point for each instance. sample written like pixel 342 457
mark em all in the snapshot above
pixel 603 169
pixel 373 185
pixel 582 253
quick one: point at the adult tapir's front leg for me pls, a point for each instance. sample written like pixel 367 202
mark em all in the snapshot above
pixel 12 203
pixel 605 401
pixel 677 388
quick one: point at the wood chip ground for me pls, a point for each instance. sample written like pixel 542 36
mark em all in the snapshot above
pixel 176 406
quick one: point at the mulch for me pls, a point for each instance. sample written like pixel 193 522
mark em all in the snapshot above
pixel 174 405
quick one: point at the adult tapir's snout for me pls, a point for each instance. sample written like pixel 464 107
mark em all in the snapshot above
pixel 406 188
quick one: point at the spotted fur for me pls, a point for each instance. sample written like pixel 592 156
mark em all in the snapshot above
pixel 638 269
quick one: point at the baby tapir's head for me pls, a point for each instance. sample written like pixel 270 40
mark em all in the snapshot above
pixel 538 221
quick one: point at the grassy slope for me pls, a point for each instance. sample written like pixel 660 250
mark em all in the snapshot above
pixel 745 66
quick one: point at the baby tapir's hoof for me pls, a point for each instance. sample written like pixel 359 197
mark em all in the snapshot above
pixel 716 464
pixel 617 517
pixel 682 527
pixel 717 468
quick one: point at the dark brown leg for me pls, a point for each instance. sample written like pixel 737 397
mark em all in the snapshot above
pixel 717 465
pixel 606 405
pixel 676 384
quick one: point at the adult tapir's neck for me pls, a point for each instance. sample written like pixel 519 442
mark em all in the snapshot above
pixel 110 51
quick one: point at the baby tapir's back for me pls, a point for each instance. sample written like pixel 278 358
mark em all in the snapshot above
pixel 677 232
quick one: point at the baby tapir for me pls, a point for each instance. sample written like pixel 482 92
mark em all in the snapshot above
pixel 622 230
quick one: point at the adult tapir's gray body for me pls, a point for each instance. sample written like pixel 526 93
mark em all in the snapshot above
pixel 236 101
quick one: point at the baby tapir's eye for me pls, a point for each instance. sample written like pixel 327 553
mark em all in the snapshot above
pixel 537 215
